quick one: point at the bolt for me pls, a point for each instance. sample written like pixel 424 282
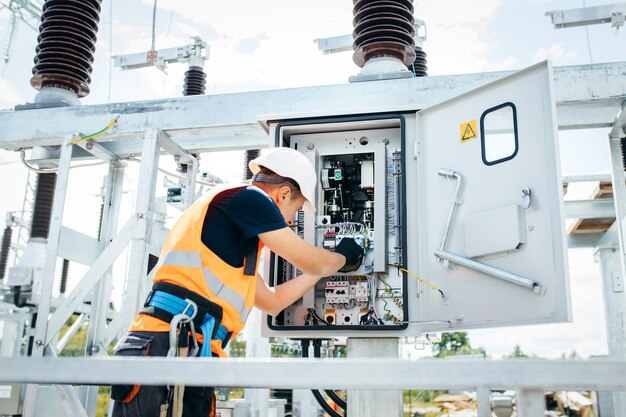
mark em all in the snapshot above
pixel 529 227
pixel 140 216
pixel 310 146
pixel 89 144
pixel 39 342
pixel 95 349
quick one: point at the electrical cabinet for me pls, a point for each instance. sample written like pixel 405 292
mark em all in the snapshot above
pixel 457 208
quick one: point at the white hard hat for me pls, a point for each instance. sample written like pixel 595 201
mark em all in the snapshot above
pixel 290 163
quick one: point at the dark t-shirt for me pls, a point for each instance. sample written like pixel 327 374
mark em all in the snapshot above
pixel 234 219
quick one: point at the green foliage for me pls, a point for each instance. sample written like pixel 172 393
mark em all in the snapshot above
pixel 572 355
pixel 455 344
pixel 517 353
pixel 76 346
pixel 237 348
pixel 102 405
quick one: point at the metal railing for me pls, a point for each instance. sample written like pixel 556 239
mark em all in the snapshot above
pixel 529 378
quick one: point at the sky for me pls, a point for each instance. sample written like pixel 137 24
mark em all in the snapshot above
pixel 267 45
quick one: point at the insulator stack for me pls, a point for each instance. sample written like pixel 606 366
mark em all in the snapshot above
pixel 383 28
pixel 195 82
pixel 66 45
pixel 42 211
pixel 249 156
pixel 100 218
pixel 623 146
pixel 64 271
pixel 4 250
pixel 419 68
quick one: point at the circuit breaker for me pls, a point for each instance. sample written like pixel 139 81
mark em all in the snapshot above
pixel 359 165
pixel 457 208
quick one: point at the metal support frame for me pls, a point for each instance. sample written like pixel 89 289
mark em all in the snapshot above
pixel 102 291
pixel 609 13
pixel 483 397
pixel 530 403
pixel 351 374
pixel 613 260
pixel 97 280
pixel 587 96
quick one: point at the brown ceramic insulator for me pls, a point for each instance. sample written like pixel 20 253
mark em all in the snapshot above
pixel 383 28
pixel 195 82
pixel 66 44
pixel 419 67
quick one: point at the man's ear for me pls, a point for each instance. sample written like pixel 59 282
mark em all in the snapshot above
pixel 284 192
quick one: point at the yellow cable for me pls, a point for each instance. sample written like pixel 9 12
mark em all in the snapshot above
pixel 434 287
pixel 98 133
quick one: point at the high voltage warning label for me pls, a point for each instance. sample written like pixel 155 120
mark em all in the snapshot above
pixel 468 130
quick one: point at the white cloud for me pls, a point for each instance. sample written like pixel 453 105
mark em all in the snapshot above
pixel 10 96
pixel 458 39
pixel 554 52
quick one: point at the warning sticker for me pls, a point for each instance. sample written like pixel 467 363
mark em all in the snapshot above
pixel 468 130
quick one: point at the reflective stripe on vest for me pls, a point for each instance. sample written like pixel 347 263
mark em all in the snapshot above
pixel 185 261
pixel 189 259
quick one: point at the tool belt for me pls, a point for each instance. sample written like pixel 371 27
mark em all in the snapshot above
pixel 168 300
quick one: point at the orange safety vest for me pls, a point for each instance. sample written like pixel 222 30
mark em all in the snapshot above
pixel 185 261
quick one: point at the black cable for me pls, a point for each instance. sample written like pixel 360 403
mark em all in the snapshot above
pixel 337 399
pixel 316 393
pixel 322 403
pixel 317 352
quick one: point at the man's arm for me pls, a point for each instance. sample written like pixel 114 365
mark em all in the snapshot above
pixel 274 300
pixel 309 259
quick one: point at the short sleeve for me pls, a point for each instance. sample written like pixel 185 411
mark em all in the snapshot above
pixel 253 212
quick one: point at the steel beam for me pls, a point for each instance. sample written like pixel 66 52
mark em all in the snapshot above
pixel 609 13
pixel 287 373
pixel 589 209
pixel 618 129
pixel 586 95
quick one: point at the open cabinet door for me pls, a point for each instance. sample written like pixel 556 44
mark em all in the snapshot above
pixel 489 221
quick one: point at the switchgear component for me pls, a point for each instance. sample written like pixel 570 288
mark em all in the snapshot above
pixel 383 28
pixel 66 45
pixel 358 196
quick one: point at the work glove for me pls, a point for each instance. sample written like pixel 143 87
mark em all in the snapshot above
pixel 353 253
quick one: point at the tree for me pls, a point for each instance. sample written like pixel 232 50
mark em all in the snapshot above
pixel 517 353
pixel 454 344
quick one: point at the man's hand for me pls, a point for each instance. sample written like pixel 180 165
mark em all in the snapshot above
pixel 352 252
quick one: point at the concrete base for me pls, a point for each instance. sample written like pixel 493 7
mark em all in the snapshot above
pixel 374 403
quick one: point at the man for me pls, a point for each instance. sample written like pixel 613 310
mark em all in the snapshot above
pixel 206 281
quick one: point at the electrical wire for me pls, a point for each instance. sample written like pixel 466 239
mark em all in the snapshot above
pixel 588 41
pixel 434 287
pixel 171 174
pixel 318 396
pixel 52 170
pixel 396 300
pixel 98 133
pixel 154 10
pixel 316 316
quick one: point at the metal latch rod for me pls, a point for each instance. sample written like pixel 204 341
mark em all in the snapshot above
pixel 490 270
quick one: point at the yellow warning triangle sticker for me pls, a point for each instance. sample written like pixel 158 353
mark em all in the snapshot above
pixel 468 130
